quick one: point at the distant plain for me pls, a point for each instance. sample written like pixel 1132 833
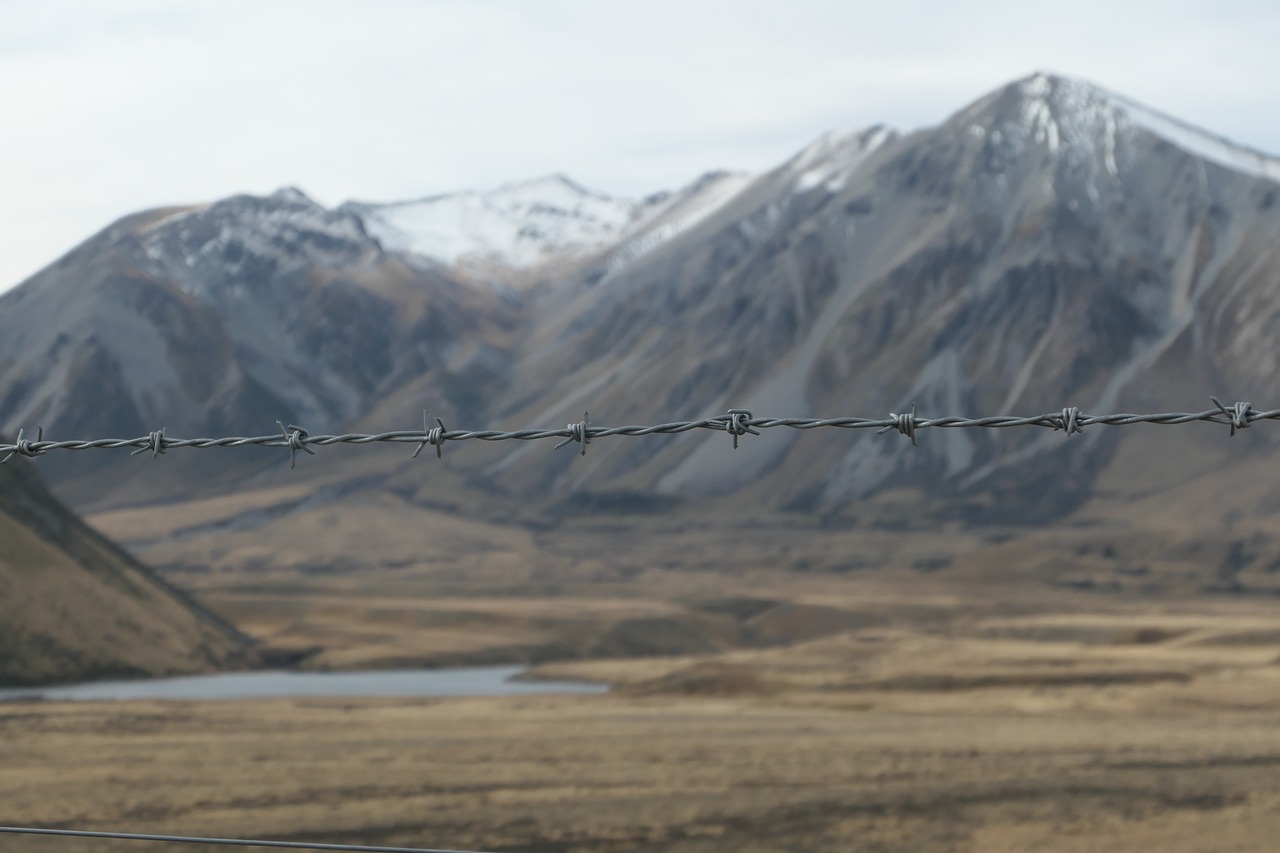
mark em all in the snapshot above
pixel 776 687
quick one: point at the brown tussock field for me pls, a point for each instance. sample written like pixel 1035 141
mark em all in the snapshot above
pixel 1123 728
pixel 780 683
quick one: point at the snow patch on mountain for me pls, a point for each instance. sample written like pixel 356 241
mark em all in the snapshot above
pixel 1037 115
pixel 1215 149
pixel 217 247
pixel 517 226
pixel 675 213
pixel 1056 107
pixel 830 160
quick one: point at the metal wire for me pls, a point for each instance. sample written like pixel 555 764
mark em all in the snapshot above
pixel 737 423
pixel 230 842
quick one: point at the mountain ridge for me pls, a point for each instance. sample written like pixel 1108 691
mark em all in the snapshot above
pixel 536 227
pixel 1019 255
pixel 974 219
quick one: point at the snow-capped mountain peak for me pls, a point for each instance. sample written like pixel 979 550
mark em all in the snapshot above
pixel 517 226
pixel 219 250
pixel 528 225
pixel 1054 110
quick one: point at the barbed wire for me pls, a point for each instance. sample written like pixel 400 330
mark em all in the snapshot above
pixel 229 842
pixel 737 423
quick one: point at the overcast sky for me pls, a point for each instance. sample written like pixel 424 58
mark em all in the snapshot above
pixel 110 107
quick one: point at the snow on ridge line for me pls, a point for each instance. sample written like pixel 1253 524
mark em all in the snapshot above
pixel 1211 147
pixel 832 158
pixel 678 215
pixel 1085 100
pixel 523 225
pixel 517 225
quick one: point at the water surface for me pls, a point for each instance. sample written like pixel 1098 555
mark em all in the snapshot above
pixel 470 681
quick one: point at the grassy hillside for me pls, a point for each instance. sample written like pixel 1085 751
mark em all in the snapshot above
pixel 74 606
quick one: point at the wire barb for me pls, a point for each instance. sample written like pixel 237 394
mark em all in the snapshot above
pixel 1239 415
pixel 295 437
pixel 579 432
pixel 155 443
pixel 905 424
pixel 22 447
pixel 435 436
pixel 1069 420
pixel 738 424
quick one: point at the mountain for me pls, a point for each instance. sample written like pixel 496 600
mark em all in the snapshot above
pixel 228 317
pixel 513 228
pixel 1050 244
pixel 667 215
pixel 521 232
pixel 75 607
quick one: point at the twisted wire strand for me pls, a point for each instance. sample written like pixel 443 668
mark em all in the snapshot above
pixel 229 842
pixel 737 423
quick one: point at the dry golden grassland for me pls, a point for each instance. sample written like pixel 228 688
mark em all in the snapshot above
pixel 782 683
pixel 1126 727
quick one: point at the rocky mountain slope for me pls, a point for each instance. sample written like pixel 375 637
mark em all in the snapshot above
pixel 1050 244
pixel 74 607
pixel 229 317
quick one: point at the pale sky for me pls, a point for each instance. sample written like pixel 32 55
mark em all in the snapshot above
pixel 111 107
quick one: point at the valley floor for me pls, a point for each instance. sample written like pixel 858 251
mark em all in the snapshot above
pixel 1122 728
